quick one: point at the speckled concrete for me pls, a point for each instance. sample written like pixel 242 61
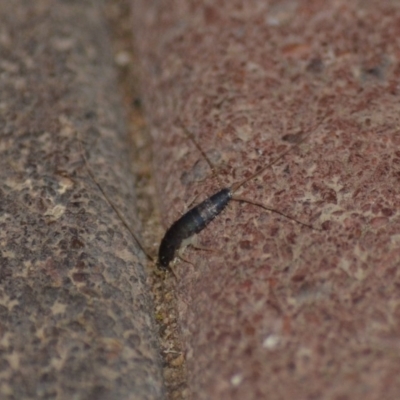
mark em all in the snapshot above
pixel 75 315
pixel 277 310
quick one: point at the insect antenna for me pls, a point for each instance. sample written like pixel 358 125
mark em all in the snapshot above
pixel 239 184
pixel 255 203
pixel 111 204
pixel 194 141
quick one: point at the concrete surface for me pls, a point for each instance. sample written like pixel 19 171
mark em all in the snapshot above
pixel 75 311
pixel 277 310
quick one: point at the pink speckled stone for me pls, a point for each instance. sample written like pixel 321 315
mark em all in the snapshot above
pixel 277 310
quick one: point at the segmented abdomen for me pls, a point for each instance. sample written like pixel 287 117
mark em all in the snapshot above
pixel 194 221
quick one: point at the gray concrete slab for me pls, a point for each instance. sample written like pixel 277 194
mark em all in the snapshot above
pixel 75 312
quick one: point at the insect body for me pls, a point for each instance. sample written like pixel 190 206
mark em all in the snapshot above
pixel 194 221
pixel 197 218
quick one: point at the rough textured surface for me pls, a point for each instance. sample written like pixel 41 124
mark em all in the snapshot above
pixel 280 311
pixel 75 315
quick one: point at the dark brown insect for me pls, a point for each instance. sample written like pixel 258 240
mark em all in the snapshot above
pixel 198 217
